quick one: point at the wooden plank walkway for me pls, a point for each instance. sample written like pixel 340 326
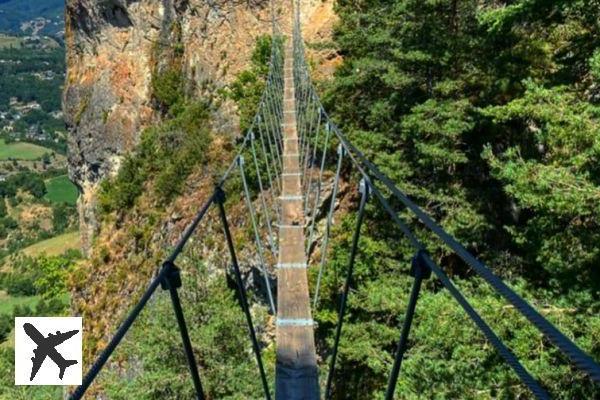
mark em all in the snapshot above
pixel 296 370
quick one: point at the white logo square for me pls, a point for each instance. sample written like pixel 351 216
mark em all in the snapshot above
pixel 48 350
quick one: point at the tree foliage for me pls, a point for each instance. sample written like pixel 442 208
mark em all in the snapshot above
pixel 246 90
pixel 220 342
pixel 165 157
pixel 487 115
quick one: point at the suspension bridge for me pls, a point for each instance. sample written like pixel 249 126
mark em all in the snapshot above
pixel 291 149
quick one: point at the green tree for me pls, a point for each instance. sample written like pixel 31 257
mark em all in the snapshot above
pixel 53 273
pixel 486 115
pixel 219 337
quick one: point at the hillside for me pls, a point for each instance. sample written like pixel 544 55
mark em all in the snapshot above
pixel 486 114
pixel 38 220
pixel 43 17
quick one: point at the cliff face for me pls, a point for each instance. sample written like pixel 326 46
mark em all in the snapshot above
pixel 112 52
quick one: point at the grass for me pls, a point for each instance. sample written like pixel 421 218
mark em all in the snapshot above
pixel 7 303
pixel 7 41
pixel 54 246
pixel 21 151
pixel 61 190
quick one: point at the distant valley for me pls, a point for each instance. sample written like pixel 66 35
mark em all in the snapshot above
pixel 32 17
pixel 39 239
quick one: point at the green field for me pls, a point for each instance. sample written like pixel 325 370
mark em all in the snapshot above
pixel 21 151
pixel 7 303
pixel 54 246
pixel 8 41
pixel 61 190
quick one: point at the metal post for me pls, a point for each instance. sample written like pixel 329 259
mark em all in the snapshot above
pixel 419 271
pixel 220 200
pixel 171 282
pixel 364 190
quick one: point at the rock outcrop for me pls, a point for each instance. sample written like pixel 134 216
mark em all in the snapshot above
pixel 113 47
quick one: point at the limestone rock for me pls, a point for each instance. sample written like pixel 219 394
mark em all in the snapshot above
pixel 111 54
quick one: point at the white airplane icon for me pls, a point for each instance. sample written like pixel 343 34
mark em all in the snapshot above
pixel 46 348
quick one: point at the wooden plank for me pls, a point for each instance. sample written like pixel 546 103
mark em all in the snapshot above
pixel 296 369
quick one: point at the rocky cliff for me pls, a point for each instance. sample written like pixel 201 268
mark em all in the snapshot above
pixel 114 47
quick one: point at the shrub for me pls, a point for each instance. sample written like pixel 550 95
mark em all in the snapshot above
pixel 25 180
pixel 166 155
pixel 52 276
pixel 62 216
pixel 45 276
pixel 53 306
pixel 19 284
pixel 595 65
pixel 120 193
pixel 167 87
pixel 6 324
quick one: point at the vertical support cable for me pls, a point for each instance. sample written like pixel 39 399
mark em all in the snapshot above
pixel 364 190
pixel 275 123
pixel 302 130
pixel 319 185
pixel 302 134
pixel 274 154
pixel 341 153
pixel 256 235
pixel 220 200
pixel 278 84
pixel 271 121
pixel 267 161
pixel 271 139
pixel 262 194
pixel 274 188
pixel 311 161
pixel 310 105
pixel 419 271
pixel 306 149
